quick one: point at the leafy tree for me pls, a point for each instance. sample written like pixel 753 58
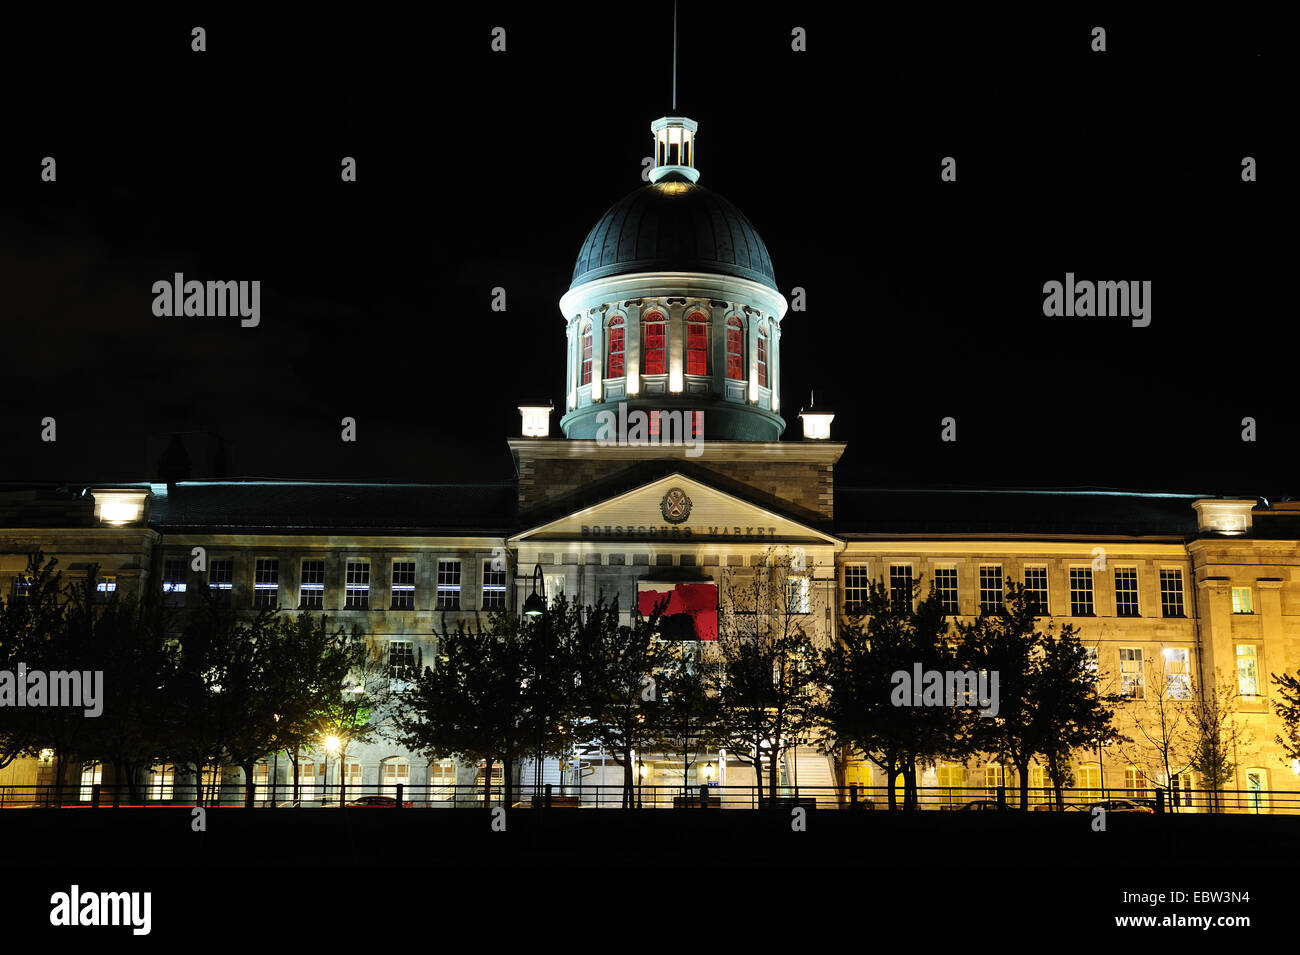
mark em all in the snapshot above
pixel 28 619
pixel 480 701
pixel 764 682
pixel 859 708
pixel 1217 734
pixel 1069 712
pixel 617 667
pixel 687 719
pixel 1163 732
pixel 357 713
pixel 1287 708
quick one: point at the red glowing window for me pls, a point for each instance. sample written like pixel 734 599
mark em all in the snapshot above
pixel 655 334
pixel 762 358
pixel 697 344
pixel 614 363
pixel 586 355
pixel 735 350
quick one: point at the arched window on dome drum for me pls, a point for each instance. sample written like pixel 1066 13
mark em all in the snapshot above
pixel 697 344
pixel 735 350
pixel 614 361
pixel 656 331
pixel 762 356
pixel 585 377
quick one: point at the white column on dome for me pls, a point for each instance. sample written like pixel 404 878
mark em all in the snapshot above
pixel 632 351
pixel 676 319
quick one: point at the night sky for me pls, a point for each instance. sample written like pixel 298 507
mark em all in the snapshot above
pixel 478 169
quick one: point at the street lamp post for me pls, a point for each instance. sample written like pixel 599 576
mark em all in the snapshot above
pixel 535 607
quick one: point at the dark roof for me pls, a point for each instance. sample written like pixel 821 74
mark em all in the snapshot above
pixel 888 511
pixel 677 226
pixel 317 506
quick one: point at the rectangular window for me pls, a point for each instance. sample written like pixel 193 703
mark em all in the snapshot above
pixel 442 780
pixel 945 588
pixel 162 779
pixel 448 584
pixel 797 595
pixel 266 582
pixel 105 589
pixel 1036 589
pixel 653 360
pixel 1090 660
pixel 353 779
pixel 22 587
pixel 1135 781
pixel 856 586
pixel 1081 592
pixel 401 660
pixel 221 579
pixel 554 584
pixel 1248 669
pixel 403 585
pixel 900 586
pixel 311 592
pixel 1171 592
pixel 358 584
pixel 1131 685
pixel 1241 600
pixel 174 581
pixel 1177 675
pixel 494 586
pixel 697 348
pixel 991 600
pixel 1126 592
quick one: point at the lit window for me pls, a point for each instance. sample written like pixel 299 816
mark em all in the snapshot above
pixel 1177 675
pixel 401 661
pixel 105 589
pixel 857 585
pixel 1088 777
pixel 554 584
pixel 1081 591
pixel 397 771
pixel 949 777
pixel 162 782
pixel 797 595
pixel 994 776
pixel 174 581
pixel 221 579
pixel 358 585
pixel 991 600
pixel 900 586
pixel 306 779
pixel 442 780
pixel 1171 592
pixel 92 775
pixel 762 356
pixel 494 587
pixel 945 588
pixel 1241 600
pixel 1130 673
pixel 403 585
pixel 1126 592
pixel 614 367
pixel 1248 669
pixel 311 592
pixel 1257 787
pixel 585 379
pixel 261 781
pixel 353 779
pixel 655 329
pixel 448 585
pixel 697 344
pixel 1090 660
pixel 1036 589
pixel 22 587
pixel 1135 782
pixel 266 582
pixel 735 350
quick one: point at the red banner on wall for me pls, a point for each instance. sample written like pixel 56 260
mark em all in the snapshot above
pixel 690 610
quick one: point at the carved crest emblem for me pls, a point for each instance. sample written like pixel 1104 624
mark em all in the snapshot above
pixel 675 506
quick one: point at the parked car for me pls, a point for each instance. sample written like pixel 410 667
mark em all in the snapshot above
pixel 377 802
pixel 1125 805
pixel 983 805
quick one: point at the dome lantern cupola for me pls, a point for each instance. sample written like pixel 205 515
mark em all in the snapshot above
pixel 674 148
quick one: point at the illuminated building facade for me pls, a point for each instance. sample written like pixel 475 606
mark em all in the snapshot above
pixel 674 307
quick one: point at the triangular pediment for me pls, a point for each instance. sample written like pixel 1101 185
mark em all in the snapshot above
pixel 675 507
